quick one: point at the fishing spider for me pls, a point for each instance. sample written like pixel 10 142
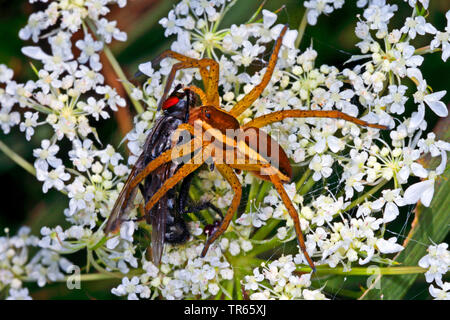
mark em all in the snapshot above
pixel 248 150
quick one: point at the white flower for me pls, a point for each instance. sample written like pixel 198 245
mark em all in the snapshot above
pixel 172 24
pixel 113 99
pixel 6 74
pixel 29 123
pixel 442 39
pixel 396 98
pixel 89 49
pixel 321 166
pixel 422 191
pixel 107 29
pixel 417 25
pixel 388 246
pixel 8 119
pixel 437 262
pixel 46 154
pixel 130 288
pixel 316 8
pixel 313 295
pixel 47 81
pixel 81 154
pixel 391 199
pixel 440 293
pixel 249 53
pixel 53 178
pixel 126 230
pixel 19 294
pixel 52 238
pixel 95 108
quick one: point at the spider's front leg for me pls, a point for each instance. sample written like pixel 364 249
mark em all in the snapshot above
pixel 251 97
pixel 332 114
pixel 209 71
pixel 182 173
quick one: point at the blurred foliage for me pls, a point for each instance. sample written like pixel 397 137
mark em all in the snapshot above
pixel 23 202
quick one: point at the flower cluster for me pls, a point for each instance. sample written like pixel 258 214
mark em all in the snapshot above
pixel 17 266
pixel 182 274
pixel 437 262
pixel 278 280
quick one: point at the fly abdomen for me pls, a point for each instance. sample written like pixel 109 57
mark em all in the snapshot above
pixel 177 231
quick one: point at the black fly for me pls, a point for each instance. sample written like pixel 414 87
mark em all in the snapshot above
pixel 166 217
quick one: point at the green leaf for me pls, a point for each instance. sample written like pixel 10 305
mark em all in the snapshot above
pixel 431 226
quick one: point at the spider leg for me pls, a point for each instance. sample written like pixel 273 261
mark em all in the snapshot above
pixel 280 115
pixel 230 176
pixel 169 155
pixel 294 215
pixel 176 152
pixel 210 77
pixel 250 97
pixel 242 150
pixel 183 172
pixel 275 179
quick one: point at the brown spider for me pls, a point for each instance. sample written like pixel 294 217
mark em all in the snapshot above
pixel 217 135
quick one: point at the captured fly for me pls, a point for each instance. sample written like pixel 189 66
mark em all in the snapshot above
pixel 166 217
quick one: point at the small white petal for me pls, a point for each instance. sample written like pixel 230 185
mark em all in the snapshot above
pixel 415 191
pixel 388 246
pixel 419 170
pixel 269 18
pixel 390 212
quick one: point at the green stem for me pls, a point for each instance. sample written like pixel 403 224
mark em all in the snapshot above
pixel 360 271
pixel 100 269
pixel 254 187
pixel 118 70
pixel 272 243
pixel 87 277
pixel 17 159
pixel 307 186
pixel 237 285
pixel 229 288
pixel 425 50
pixel 301 29
pixel 266 229
pixel 265 187
pixel 302 180
pixel 365 196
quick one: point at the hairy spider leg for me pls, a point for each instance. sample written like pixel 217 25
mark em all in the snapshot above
pixel 177 151
pixel 276 181
pixel 227 172
pixel 280 115
pixel 128 192
pixel 210 77
pixel 183 172
pixel 250 97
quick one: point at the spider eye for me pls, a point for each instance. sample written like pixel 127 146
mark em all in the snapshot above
pixel 208 115
pixel 170 102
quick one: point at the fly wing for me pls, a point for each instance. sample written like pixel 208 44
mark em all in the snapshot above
pixel 120 209
pixel 158 214
pixel 158 218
